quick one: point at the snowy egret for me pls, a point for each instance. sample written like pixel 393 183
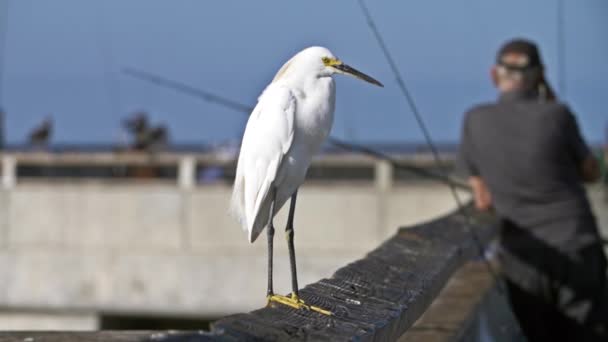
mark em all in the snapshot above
pixel 291 120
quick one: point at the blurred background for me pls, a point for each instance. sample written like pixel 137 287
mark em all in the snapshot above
pixel 121 121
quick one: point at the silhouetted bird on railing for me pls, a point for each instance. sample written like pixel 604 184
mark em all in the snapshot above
pixel 41 134
pixel 145 136
pixel 158 136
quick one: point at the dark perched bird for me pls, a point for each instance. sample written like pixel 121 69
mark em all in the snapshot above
pixel 158 137
pixel 41 134
pixel 145 136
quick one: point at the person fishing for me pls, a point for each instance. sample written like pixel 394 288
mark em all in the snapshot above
pixel 525 158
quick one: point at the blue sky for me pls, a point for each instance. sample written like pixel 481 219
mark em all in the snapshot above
pixel 63 58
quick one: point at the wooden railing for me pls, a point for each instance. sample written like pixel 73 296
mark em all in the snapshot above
pixel 377 298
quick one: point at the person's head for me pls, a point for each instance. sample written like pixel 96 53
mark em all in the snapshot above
pixel 518 67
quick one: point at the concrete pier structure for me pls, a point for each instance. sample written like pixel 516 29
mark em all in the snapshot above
pixel 89 247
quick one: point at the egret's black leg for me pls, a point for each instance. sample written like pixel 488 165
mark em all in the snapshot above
pixel 294 300
pixel 270 233
pixel 289 232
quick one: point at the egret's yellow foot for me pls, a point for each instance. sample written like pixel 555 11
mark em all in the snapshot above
pixel 296 303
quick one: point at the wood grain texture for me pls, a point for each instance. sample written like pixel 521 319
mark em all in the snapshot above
pixel 454 311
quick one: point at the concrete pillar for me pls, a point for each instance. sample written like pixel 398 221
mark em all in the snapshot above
pixel 9 171
pixel 383 175
pixel 186 172
pixel 383 182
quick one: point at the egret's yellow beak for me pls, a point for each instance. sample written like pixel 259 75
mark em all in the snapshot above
pixel 345 69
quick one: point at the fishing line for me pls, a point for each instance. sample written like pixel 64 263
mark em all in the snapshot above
pixel 414 109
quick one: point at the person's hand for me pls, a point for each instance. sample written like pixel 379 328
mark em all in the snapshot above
pixel 484 203
pixel 590 169
pixel 481 194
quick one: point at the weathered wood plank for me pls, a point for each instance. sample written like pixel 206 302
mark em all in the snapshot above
pixel 376 298
pixel 452 312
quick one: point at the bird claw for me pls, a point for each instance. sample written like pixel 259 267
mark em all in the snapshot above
pixel 295 302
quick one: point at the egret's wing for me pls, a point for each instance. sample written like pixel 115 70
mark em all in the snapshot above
pixel 268 137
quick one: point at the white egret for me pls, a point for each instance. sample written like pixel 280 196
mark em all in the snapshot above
pixel 291 120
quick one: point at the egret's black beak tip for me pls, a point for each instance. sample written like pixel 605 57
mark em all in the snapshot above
pixel 358 74
pixel 375 82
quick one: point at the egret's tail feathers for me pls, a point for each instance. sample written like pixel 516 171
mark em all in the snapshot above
pixel 259 222
pixel 252 221
pixel 237 202
pixel 259 216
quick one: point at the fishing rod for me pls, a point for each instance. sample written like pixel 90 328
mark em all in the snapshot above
pixel 239 107
pixel 397 164
pixel 431 144
pixel 184 88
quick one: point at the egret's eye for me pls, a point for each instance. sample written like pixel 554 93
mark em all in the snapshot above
pixel 330 61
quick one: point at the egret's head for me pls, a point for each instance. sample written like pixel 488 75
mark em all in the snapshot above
pixel 322 62
pixel 335 66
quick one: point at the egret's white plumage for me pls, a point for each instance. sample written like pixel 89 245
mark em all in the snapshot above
pixel 292 119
